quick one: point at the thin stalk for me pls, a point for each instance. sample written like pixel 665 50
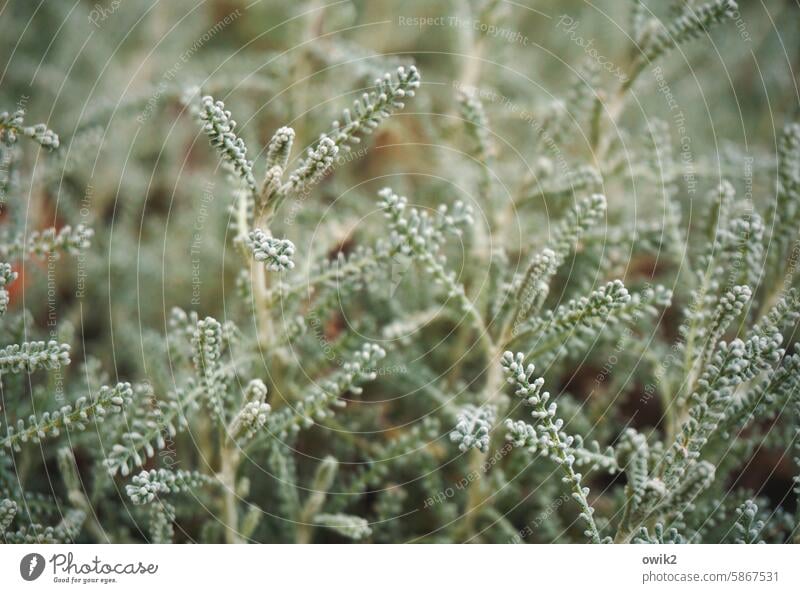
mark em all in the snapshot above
pixel 229 464
pixel 476 495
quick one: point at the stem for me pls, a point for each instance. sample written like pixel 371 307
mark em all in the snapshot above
pixel 304 533
pixel 624 531
pixel 477 495
pixel 258 279
pixel 261 302
pixel 441 275
pixel 572 478
pixel 229 463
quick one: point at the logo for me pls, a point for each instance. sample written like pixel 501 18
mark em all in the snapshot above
pixel 31 566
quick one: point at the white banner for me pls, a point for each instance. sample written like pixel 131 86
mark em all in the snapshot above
pixel 353 569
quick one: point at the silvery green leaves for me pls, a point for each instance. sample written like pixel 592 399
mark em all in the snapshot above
pixel 307 515
pixel 278 152
pixel 279 148
pixel 585 214
pixel 635 454
pixel 317 406
pixel 473 428
pixel 315 166
pixel 70 417
pixel 477 125
pixel 161 517
pixel 324 475
pixel 207 344
pixel 152 423
pixel 527 291
pixel 419 235
pixel 208 340
pixel 274 253
pixel 8 509
pixel 748 526
pixel 539 279
pixel 796 450
pixel 532 286
pixel 415 231
pixel 693 22
pixel 728 308
pixel 64 532
pixel 13 125
pixel 574 323
pixel 373 107
pixel 770 397
pixel 253 415
pixel 146 486
pixel 784 216
pixel 733 256
pixel 367 114
pixel 563 187
pixel 732 365
pixel 31 356
pixel 660 535
pixel 349 526
pixel 10 126
pixel 48 242
pixel 197 353
pixel 219 126
pixel 789 166
pixel 521 377
pixel 7 276
pixel 690 24
pixel 529 389
pixel 521 434
pixel 38 407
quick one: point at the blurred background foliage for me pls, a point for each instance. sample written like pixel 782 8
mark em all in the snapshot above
pixel 112 79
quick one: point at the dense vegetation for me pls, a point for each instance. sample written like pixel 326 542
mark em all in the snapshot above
pixel 399 272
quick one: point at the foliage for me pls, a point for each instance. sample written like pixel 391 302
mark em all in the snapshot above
pixel 236 311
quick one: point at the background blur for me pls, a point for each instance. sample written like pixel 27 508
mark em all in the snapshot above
pixel 112 79
pixel 109 76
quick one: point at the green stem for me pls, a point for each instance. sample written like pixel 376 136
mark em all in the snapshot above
pixel 229 464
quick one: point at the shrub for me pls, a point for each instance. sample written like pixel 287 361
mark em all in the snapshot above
pixel 439 351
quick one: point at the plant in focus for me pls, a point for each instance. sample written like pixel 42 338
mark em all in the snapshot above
pixel 454 348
